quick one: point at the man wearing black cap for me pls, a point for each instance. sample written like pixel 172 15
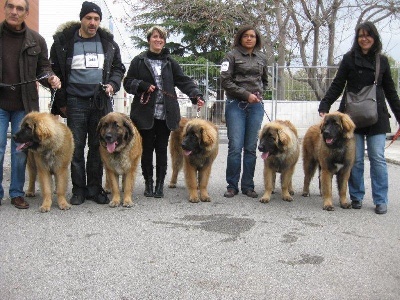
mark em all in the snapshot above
pixel 84 55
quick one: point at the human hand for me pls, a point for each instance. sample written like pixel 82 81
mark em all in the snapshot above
pixel 63 110
pixel 200 101
pixel 253 98
pixel 109 90
pixel 322 114
pixel 54 82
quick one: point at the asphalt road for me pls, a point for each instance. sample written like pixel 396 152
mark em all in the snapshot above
pixel 234 248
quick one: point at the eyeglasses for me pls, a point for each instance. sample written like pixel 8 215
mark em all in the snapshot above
pixel 364 36
pixel 19 9
pixel 248 36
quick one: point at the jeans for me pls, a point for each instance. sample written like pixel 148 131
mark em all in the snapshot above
pixel 83 118
pixel 378 169
pixel 18 158
pixel 243 121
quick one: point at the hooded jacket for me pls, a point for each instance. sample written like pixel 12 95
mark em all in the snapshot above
pixel 140 76
pixel 61 54
pixel 355 72
pixel 33 62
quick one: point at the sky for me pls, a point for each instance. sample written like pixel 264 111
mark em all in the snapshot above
pixel 55 12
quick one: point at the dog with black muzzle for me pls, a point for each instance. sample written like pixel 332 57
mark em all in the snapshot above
pixel 194 146
pixel 280 149
pixel 331 146
pixel 120 151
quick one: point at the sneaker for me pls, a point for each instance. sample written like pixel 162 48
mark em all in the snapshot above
pixel 77 199
pixel 19 202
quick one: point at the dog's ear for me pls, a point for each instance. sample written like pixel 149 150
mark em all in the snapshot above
pixel 283 138
pixel 99 126
pixel 129 133
pixel 208 136
pixel 41 130
pixel 322 125
pixel 348 126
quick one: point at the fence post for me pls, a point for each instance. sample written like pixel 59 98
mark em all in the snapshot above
pixel 206 95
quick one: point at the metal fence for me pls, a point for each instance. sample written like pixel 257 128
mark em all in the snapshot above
pixel 286 85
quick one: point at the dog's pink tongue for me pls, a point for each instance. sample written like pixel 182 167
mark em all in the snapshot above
pixel 21 146
pixel 111 147
pixel 187 152
pixel 264 155
pixel 329 141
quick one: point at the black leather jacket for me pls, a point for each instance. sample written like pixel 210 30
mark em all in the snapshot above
pixel 243 74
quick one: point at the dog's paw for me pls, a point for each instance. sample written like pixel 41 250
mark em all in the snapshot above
pixel 265 199
pixel 44 208
pixel 113 203
pixel 30 194
pixel 205 199
pixel 127 203
pixel 345 205
pixel 194 200
pixel 305 194
pixel 64 206
pixel 329 207
pixel 172 185
pixel 287 198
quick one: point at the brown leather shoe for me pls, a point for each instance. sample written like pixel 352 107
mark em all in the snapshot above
pixel 230 193
pixel 250 193
pixel 19 202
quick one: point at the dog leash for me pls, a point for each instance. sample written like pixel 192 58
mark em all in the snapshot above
pixel 395 137
pixel 261 101
pixel 145 97
pixel 13 85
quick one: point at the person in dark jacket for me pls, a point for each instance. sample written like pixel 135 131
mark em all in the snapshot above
pixel 152 78
pixel 244 79
pixel 88 61
pixel 23 57
pixel 356 71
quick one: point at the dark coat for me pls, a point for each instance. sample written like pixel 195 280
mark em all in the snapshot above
pixel 33 62
pixel 140 76
pixel 61 54
pixel 355 72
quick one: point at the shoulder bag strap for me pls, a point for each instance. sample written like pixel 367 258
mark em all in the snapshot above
pixel 377 67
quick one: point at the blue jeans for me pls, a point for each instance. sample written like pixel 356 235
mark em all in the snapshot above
pixel 243 121
pixel 83 118
pixel 378 169
pixel 18 158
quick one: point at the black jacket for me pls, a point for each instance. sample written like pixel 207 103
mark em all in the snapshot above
pixel 140 77
pixel 355 72
pixel 61 58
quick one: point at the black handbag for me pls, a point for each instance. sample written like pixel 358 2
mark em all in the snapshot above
pixel 362 107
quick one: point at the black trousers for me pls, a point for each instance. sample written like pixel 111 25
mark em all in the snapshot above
pixel 155 139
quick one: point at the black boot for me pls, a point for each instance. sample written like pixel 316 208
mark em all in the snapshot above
pixel 161 171
pixel 148 181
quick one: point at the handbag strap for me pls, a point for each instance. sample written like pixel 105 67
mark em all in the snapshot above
pixel 377 67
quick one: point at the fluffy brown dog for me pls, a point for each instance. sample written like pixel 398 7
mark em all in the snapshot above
pixel 280 149
pixel 195 146
pixel 330 146
pixel 50 147
pixel 120 150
